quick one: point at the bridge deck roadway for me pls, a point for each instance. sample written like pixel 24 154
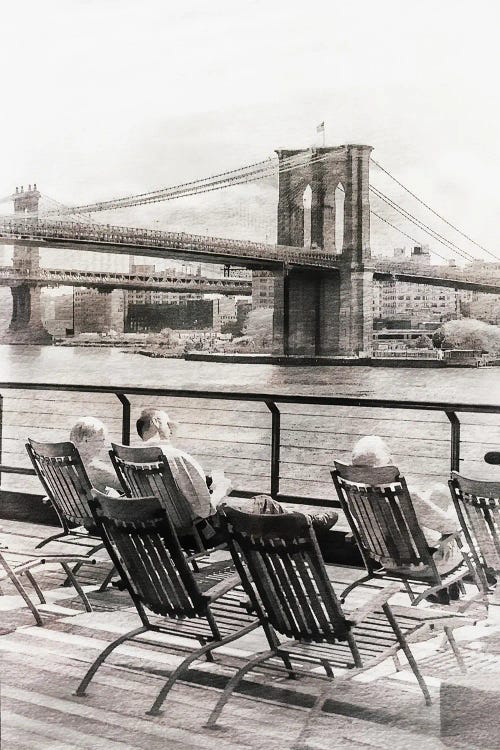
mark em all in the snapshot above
pixel 255 255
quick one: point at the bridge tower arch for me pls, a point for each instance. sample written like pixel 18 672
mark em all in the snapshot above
pixel 323 312
pixel 26 324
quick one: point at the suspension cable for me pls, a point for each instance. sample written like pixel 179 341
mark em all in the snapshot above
pixel 459 231
pixel 421 225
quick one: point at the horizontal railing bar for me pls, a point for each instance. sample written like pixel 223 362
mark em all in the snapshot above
pixel 16 470
pixel 251 396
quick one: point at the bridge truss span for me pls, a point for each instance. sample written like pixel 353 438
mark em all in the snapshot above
pixel 108 280
pixel 156 243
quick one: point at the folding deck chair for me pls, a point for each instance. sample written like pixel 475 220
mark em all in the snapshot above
pixel 380 512
pixel 64 479
pixel 142 542
pixel 283 573
pixel 14 573
pixel 145 471
pixel 478 508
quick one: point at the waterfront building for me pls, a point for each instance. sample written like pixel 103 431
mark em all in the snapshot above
pixel 58 314
pixel 262 289
pixel 98 312
pixel 224 312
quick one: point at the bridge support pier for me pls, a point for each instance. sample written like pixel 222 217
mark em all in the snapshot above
pixel 323 313
pixel 26 326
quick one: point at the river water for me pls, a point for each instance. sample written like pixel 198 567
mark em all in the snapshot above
pixel 235 436
pixel 102 366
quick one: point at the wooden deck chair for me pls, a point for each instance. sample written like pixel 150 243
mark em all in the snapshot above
pixel 145 471
pixel 64 479
pixel 144 547
pixel 24 568
pixel 283 573
pixel 478 508
pixel 379 510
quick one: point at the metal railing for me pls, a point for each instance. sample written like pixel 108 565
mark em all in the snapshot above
pixel 272 401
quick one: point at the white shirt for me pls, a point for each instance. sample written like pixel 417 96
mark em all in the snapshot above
pixel 189 477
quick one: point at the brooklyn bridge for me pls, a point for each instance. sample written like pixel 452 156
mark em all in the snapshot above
pixel 323 278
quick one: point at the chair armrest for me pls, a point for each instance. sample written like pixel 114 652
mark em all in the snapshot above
pixel 374 603
pixel 206 553
pixel 221 588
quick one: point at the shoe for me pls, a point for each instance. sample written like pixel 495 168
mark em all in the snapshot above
pixel 440 597
pixel 118 584
pixel 454 591
pixel 491 576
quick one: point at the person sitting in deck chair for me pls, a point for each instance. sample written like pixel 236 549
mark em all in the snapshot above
pixel 154 427
pixel 433 508
pixel 90 436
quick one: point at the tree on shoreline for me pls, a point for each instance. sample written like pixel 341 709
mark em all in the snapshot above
pixel 468 334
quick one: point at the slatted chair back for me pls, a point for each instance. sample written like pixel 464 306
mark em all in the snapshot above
pixel 144 548
pixel 380 512
pixel 62 474
pixel 146 471
pixel 478 507
pixel 279 555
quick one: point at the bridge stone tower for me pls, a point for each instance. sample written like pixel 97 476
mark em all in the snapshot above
pixel 319 312
pixel 26 325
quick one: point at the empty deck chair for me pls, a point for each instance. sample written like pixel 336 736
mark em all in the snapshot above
pixel 145 471
pixel 283 573
pixel 64 479
pixel 144 547
pixel 14 572
pixel 379 510
pixel 478 508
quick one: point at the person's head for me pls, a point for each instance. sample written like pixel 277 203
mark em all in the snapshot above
pixel 90 436
pixel 372 451
pixel 154 423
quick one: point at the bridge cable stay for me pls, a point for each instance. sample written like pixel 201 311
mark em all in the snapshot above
pixel 191 188
pixel 421 225
pixel 455 228
pixel 217 182
pixel 398 229
pixel 180 190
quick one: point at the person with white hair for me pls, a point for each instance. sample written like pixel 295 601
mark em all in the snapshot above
pixel 433 508
pixel 90 436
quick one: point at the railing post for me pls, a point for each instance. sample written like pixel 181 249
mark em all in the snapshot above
pixel 275 448
pixel 455 441
pixel 125 418
pixel 1 433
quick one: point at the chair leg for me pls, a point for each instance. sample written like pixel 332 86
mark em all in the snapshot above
pixel 155 709
pixel 31 578
pixel 82 687
pixel 50 539
pixel 455 649
pixel 22 591
pixel 81 593
pixel 407 652
pixel 233 682
pixel 397 663
pixel 104 585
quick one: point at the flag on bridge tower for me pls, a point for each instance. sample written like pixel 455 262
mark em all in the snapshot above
pixel 321 129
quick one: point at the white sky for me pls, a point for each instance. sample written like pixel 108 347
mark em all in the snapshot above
pixel 103 98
